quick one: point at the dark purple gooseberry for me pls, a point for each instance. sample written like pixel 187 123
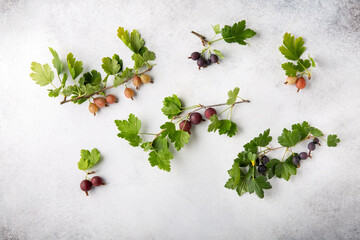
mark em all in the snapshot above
pixel 303 155
pixel 262 169
pixel 85 185
pixel 201 62
pixel 195 118
pixel 311 146
pixel 209 112
pixel 97 181
pixel 208 62
pixel 195 56
pixel 265 159
pixel 316 140
pixel 214 58
pixel 296 160
pixel 185 125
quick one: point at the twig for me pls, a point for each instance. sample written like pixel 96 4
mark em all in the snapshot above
pixel 202 38
pixel 101 90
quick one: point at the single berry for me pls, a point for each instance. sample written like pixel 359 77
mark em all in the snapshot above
pixel 262 169
pixel 303 155
pixel 291 80
pixel 201 62
pixel 100 102
pixel 209 112
pixel 316 140
pixel 214 58
pixel 145 78
pixel 195 118
pixel 93 108
pixel 129 93
pixel 195 56
pixel 296 160
pixel 185 125
pixel 208 62
pixel 300 83
pixel 136 81
pixel 85 185
pixel 265 159
pixel 311 146
pixel 110 99
pixel 97 181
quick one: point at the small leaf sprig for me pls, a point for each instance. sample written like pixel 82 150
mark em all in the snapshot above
pixel 159 147
pixel 293 49
pixel 236 33
pixel 91 83
pixel 87 161
pixel 252 168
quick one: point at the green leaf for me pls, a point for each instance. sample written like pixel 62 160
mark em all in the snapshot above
pixel 258 185
pixel 216 29
pixel 178 137
pixel 215 123
pixel 290 69
pixel 70 90
pixel 263 139
pixel 292 48
pixel 218 53
pixel 224 126
pixel 129 130
pixel 251 146
pixel 138 61
pixel 232 94
pixel 332 140
pixel 161 155
pixel 172 106
pixel 237 180
pixel 54 92
pixel 147 55
pixel 146 146
pixel 88 159
pixel 56 61
pixel 120 78
pixel 302 64
pixel 289 138
pixel 168 128
pixel 242 159
pixel 285 169
pixel 237 33
pixel 93 78
pixel 312 61
pixel 112 65
pixel 42 75
pixel 132 41
pixel 64 79
pixel 271 167
pixel 75 67
pixel 303 129
pixel 316 132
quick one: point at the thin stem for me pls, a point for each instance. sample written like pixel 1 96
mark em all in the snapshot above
pixel 284 154
pixel 202 38
pixel 101 90
pixel 219 39
pixel 148 134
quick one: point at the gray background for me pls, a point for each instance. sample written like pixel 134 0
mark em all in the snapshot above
pixel 40 140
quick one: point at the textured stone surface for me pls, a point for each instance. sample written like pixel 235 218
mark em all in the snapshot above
pixel 40 140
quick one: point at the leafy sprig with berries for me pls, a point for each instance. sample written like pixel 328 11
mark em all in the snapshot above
pixel 292 49
pixel 86 86
pixel 236 33
pixel 252 168
pixel 87 161
pixel 159 146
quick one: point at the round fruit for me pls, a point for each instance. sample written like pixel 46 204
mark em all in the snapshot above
pixel 195 56
pixel 93 108
pixel 185 125
pixel 208 62
pixel 209 112
pixel 296 160
pixel 97 181
pixel 100 102
pixel 300 83
pixel 129 93
pixel 214 58
pixel 303 155
pixel 145 78
pixel 195 118
pixel 316 140
pixel 291 80
pixel 85 185
pixel 311 146
pixel 201 62
pixel 136 81
pixel 262 169
pixel 110 99
pixel 265 159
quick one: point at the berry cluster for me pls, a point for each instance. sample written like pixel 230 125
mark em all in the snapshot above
pixel 202 62
pixel 195 118
pixel 300 82
pixel 87 184
pixel 304 155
